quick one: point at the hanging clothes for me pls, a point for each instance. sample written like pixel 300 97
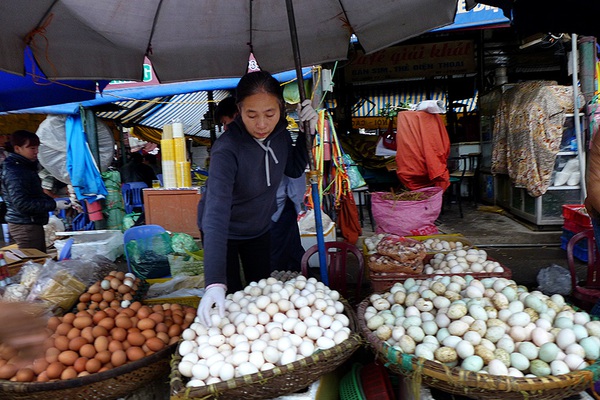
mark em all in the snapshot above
pixel 422 150
pixel 528 131
pixel 84 173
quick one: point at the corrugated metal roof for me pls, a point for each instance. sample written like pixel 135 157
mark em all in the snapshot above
pixel 155 113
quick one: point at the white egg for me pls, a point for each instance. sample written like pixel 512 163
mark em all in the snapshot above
pixel 272 355
pixel 186 347
pixel 226 372
pixel 247 368
pixel 565 337
pixel 314 332
pixel 257 358
pixel 288 356
pixel 306 348
pixel 559 367
pixel 325 343
pixel 497 367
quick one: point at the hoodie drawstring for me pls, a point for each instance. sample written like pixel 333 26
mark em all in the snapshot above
pixel 268 150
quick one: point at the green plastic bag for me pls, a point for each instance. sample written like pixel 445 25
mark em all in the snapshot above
pixel 356 179
pixel 180 242
pixel 148 257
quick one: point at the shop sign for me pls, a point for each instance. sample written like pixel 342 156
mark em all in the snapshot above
pixel 414 61
pixel 371 123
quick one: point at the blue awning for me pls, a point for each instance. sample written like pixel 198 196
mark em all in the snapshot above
pixel 480 16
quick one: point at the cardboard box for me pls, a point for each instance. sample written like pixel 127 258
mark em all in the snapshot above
pixel 16 257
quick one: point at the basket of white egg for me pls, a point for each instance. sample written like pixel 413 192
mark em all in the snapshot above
pixel 485 339
pixel 276 338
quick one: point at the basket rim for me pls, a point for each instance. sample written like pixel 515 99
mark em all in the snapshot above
pixel 31 387
pixel 348 346
pixel 465 380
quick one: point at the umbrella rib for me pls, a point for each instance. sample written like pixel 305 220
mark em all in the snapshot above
pixel 346 19
pixel 149 47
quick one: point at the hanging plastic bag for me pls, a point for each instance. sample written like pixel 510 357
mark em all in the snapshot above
pixel 148 257
pixel 356 179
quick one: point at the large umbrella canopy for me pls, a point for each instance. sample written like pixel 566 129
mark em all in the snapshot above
pixel 192 39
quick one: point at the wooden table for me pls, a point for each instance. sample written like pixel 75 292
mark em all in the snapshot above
pixel 176 210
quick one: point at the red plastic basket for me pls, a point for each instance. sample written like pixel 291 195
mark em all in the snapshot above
pixel 575 215
pixel 376 383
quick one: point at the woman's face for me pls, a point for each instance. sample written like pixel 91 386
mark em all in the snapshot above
pixel 260 113
pixel 28 151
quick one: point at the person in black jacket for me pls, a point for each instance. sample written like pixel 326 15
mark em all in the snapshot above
pixel 27 206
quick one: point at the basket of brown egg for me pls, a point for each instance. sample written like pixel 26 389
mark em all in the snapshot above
pixel 108 347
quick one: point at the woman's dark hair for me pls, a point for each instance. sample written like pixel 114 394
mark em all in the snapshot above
pixel 260 82
pixel 24 138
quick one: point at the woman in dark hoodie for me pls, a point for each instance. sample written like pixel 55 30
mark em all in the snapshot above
pixel 27 205
pixel 246 168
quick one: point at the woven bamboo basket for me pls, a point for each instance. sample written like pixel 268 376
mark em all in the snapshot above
pixel 112 384
pixel 275 382
pixel 472 384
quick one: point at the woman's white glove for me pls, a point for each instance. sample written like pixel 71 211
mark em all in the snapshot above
pixel 214 295
pixel 62 204
pixel 306 113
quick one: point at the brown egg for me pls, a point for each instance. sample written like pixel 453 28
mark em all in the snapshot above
pixel 107 322
pixel 123 322
pixel 135 353
pixel 76 343
pixel 115 345
pixel 144 312
pixel 85 297
pixel 82 313
pixel 93 306
pixel 101 343
pixel 111 274
pixel 99 331
pixel 157 317
pixel 52 354
pixel 53 323
pixel 123 289
pixel 118 358
pixel 7 371
pixel 68 373
pixel 115 283
pixel 174 330
pixel 68 357
pixel 99 315
pixel 111 312
pixel 54 370
pixel 128 296
pixel 61 343
pixel 118 334
pixel 103 356
pixel 87 350
pixel 103 305
pixel 108 296
pixel 114 304
pixel 146 323
pixel 155 344
pixel 135 306
pixel 86 333
pixel 81 306
pixel 82 321
pixel 126 345
pixel 42 377
pixel 163 336
pixel 149 333
pixel 127 312
pixel 95 288
pixel 82 373
pixel 93 365
pixel 39 365
pixel 97 297
pixel 63 328
pixel 79 364
pixel 136 339
pixel 177 319
pixel 174 339
pixel 25 375
pixel 73 333
pixel 120 275
pixel 68 318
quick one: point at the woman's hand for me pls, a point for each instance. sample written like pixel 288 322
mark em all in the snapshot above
pixel 306 113
pixel 214 295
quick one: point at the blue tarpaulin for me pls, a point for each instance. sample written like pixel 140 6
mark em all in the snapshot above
pixel 34 90
pixel 84 173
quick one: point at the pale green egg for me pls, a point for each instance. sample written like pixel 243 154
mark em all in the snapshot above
pixel 472 363
pixel 540 368
pixel 548 352
pixel 519 361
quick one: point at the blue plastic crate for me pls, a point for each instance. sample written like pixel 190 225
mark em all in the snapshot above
pixel 578 251
pixel 567 234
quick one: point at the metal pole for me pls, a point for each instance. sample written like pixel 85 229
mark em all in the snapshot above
pixel 576 118
pixel 313 175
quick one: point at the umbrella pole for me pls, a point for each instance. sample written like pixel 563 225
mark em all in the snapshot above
pixel 313 174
